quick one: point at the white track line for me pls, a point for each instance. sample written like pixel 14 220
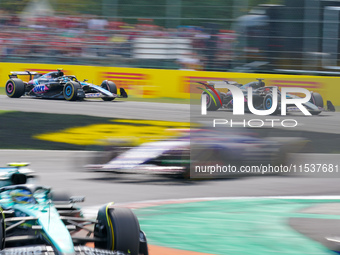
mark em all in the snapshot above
pixel 91 211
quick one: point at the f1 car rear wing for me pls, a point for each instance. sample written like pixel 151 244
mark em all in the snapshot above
pixel 219 84
pixel 16 73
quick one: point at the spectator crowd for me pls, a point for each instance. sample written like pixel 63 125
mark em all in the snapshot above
pixel 92 40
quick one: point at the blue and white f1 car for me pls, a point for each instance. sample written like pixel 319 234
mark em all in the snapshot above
pixel 262 97
pixel 58 85
pixel 33 222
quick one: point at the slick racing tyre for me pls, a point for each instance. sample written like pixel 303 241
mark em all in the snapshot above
pixel 316 99
pixel 268 102
pixel 213 104
pixel 110 86
pixel 15 88
pixel 70 90
pixel 119 228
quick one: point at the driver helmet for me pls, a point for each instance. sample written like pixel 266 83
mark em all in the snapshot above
pixel 260 83
pixel 60 73
pixel 22 196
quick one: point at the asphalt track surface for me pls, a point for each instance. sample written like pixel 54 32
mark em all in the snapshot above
pixel 99 108
pixel 327 122
pixel 63 170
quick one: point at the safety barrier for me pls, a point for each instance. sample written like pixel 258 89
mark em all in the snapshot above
pixel 160 83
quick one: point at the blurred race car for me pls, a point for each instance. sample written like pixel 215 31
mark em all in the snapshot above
pixel 57 85
pixel 176 157
pixel 33 222
pixel 262 97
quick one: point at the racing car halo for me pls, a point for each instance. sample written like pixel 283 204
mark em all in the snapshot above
pixel 262 97
pixel 33 222
pixel 60 86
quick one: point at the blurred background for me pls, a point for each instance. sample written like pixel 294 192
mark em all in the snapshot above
pixel 213 41
pixel 284 36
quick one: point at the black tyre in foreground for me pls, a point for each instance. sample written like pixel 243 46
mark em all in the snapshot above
pixel 15 88
pixel 118 229
pixel 213 104
pixel 70 90
pixel 2 230
pixel 110 86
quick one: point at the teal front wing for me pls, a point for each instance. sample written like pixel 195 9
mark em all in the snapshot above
pixel 54 230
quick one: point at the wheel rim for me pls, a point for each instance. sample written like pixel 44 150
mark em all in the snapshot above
pixel 268 103
pixel 10 87
pixel 68 90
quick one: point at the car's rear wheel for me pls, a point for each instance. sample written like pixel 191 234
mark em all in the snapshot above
pixel 15 88
pixel 110 86
pixel 213 103
pixel 119 230
pixel 70 90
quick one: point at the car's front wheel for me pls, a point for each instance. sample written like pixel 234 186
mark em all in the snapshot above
pixel 110 86
pixel 316 99
pixel 118 229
